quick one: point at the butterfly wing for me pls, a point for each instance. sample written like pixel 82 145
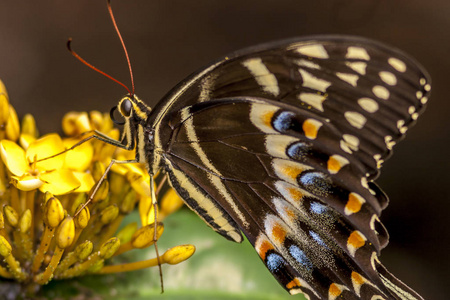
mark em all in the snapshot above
pixel 282 142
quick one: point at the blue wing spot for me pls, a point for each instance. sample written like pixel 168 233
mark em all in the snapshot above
pixel 298 150
pixel 316 183
pixel 274 262
pixel 301 257
pixel 317 238
pixel 318 208
pixel 284 121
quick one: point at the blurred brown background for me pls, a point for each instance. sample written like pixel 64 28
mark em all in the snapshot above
pixel 169 39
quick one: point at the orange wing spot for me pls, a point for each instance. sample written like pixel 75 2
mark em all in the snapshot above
pixel 291 214
pixel 357 278
pixel 356 240
pixel 291 171
pixel 294 283
pixel 295 194
pixel 334 290
pixel 267 118
pixel 278 233
pixel 354 203
pixel 263 248
pixel 333 165
pixel 311 128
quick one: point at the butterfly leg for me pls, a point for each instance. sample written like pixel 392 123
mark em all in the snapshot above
pixel 153 193
pixel 98 136
pixel 113 161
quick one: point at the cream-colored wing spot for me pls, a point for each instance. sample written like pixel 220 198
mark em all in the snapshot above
pixel 388 77
pixel 276 144
pixel 358 66
pixel 368 104
pixel 276 230
pixel 317 51
pixel 351 79
pixel 355 119
pixel 349 143
pixel 313 99
pixel 310 81
pixel 306 63
pixel 261 116
pixel 381 92
pixel 288 170
pixel 295 285
pixel 291 193
pixel 397 64
pixel 262 75
pixel 357 53
pixel 389 142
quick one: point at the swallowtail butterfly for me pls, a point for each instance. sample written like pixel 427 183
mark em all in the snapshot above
pixel 282 142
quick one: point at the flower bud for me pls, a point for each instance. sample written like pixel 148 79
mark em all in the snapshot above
pixel 12 125
pixel 29 126
pixel 4 105
pixel 5 247
pixel 83 217
pixel 11 216
pixel 144 237
pixel 53 213
pixel 65 233
pixel 126 233
pixel 101 193
pixel 2 220
pixel 128 202
pixel 110 247
pixel 83 250
pixel 109 214
pixel 178 254
pixel 25 221
pixel 98 169
pixel 170 203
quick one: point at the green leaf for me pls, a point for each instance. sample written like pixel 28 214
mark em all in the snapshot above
pixel 219 269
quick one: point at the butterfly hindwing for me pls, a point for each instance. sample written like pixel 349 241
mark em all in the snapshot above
pixel 282 142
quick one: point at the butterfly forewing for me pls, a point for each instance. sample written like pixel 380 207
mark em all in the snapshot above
pixel 281 142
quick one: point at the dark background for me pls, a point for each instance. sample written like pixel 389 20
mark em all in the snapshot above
pixel 167 40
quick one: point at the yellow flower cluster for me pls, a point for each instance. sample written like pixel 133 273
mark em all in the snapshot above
pixel 46 229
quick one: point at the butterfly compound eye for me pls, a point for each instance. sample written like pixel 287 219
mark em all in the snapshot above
pixel 125 107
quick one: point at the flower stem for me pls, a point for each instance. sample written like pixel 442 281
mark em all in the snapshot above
pixel 46 238
pixel 45 276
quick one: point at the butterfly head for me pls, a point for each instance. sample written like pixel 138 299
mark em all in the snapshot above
pixel 135 114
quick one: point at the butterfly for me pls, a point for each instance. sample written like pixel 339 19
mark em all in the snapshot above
pixel 282 142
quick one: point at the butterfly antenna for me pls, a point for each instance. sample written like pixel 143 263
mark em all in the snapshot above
pixel 94 68
pixel 123 45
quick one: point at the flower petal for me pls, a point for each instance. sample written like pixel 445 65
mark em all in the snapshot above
pixel 59 182
pixel 14 157
pixel 79 158
pixel 75 123
pixel 86 181
pixel 25 140
pixel 26 183
pixel 46 146
pixel 4 104
pixel 12 125
pixel 29 126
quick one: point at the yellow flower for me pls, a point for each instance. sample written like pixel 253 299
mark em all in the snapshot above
pixel 76 230
pixel 29 173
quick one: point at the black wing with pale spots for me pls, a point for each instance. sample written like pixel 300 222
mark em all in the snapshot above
pixel 281 142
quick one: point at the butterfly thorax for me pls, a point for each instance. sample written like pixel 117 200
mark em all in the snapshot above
pixel 137 134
